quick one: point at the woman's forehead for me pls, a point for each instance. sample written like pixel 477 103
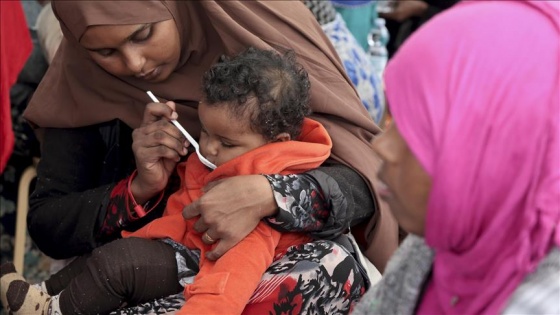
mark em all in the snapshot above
pixel 102 36
pixel 76 16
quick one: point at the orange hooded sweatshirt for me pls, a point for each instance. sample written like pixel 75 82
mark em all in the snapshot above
pixel 226 285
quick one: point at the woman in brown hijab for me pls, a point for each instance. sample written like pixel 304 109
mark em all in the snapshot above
pixel 94 95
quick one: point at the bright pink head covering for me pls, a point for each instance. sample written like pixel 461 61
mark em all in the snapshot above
pixel 475 93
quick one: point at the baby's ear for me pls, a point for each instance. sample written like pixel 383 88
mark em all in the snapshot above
pixel 284 136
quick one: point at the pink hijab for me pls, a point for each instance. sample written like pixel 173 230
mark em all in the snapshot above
pixel 475 93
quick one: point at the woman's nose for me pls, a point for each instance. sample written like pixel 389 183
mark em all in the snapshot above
pixel 135 61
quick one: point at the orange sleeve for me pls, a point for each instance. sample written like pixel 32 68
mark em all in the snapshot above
pixel 171 226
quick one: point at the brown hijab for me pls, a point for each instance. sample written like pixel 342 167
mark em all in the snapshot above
pixel 76 92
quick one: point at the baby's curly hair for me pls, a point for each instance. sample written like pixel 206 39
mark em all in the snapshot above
pixel 278 84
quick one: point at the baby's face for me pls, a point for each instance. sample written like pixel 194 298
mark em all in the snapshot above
pixel 223 136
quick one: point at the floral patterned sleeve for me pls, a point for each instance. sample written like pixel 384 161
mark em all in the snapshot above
pixel 323 202
pixel 301 203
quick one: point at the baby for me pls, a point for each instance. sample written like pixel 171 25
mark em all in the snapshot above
pixel 253 122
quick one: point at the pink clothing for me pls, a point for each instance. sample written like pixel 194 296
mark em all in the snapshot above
pixel 475 93
pixel 226 285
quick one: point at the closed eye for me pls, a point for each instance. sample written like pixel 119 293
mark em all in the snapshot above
pixel 227 145
pixel 142 34
pixel 106 52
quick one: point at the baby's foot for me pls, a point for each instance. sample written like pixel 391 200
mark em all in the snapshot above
pixel 26 299
pixel 7 275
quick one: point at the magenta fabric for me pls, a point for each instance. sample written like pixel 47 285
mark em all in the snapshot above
pixel 475 93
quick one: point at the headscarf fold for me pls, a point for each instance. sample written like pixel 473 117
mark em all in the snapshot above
pixel 76 92
pixel 475 93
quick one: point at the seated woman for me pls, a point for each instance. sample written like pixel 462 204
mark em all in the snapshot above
pixel 471 164
pixel 253 116
pixel 93 97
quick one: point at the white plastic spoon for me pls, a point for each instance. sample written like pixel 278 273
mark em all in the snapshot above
pixel 187 135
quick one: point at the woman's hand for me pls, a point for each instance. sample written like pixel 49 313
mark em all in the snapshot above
pixel 230 209
pixel 406 9
pixel 157 145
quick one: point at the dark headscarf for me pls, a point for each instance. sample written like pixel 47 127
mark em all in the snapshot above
pixel 77 92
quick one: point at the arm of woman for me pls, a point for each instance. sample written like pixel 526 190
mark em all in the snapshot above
pixel 66 207
pixel 405 10
pixel 325 202
pixel 82 196
pixel 422 9
pixel 330 198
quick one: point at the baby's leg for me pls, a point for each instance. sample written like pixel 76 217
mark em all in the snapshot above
pixel 22 298
pixel 18 297
pixel 60 280
pixel 8 275
pixel 124 272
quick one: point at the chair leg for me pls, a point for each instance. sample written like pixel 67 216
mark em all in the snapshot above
pixel 21 216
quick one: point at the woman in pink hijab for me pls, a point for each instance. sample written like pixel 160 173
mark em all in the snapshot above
pixel 471 165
